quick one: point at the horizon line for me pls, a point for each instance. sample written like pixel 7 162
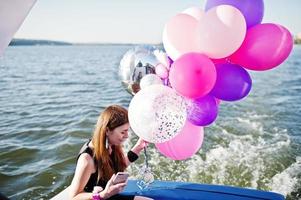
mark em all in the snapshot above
pixel 86 43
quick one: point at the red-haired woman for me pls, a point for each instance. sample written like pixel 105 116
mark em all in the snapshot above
pixel 102 157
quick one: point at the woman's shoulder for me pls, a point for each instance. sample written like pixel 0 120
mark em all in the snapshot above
pixel 86 161
pixel 85 149
pixel 85 157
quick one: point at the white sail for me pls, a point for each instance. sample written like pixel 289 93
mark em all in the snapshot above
pixel 12 15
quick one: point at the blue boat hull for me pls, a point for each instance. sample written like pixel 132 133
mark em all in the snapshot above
pixel 160 190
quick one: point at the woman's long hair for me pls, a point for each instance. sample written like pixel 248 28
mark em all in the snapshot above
pixel 112 117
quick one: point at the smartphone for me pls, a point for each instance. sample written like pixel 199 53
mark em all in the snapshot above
pixel 120 177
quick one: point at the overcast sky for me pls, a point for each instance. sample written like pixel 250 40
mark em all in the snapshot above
pixel 126 21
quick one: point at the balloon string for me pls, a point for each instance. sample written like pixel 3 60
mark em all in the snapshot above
pixel 166 82
pixel 146 158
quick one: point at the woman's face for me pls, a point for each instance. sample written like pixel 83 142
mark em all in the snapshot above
pixel 119 134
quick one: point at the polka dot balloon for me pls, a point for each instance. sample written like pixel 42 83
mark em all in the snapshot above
pixel 157 113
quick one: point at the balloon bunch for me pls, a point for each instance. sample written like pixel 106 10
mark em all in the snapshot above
pixel 207 57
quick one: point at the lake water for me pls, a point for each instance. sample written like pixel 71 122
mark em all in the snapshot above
pixel 51 96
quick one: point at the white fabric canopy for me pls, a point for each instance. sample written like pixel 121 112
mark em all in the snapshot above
pixel 12 15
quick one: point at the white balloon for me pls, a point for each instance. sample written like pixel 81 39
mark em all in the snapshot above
pixel 150 79
pixel 195 12
pixel 157 113
pixel 181 35
pixel 162 57
pixel 169 48
pixel 222 31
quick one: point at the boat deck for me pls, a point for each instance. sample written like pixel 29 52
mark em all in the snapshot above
pixel 167 190
pixel 160 190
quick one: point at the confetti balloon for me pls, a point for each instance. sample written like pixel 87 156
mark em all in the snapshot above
pixel 157 113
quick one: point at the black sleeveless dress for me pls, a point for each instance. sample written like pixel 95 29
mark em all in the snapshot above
pixel 93 178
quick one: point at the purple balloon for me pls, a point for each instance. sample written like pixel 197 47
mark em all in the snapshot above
pixel 232 83
pixel 251 9
pixel 202 111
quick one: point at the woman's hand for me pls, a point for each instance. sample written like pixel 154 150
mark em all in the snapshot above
pixel 112 189
pixel 137 148
pixel 141 143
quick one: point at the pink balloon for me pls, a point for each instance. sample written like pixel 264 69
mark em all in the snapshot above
pixel 193 75
pixel 185 144
pixel 181 35
pixel 195 12
pixel 161 71
pixel 265 47
pixel 219 61
pixel 222 31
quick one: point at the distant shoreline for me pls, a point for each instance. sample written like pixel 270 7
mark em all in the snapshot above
pixel 33 42
pixel 28 42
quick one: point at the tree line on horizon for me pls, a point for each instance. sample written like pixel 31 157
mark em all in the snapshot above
pixel 28 42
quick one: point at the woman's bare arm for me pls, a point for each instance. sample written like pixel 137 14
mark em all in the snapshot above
pixel 137 148
pixel 84 168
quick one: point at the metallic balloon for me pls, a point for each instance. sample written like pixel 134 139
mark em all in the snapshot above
pixel 135 64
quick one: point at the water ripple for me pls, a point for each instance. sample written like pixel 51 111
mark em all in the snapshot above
pixel 50 101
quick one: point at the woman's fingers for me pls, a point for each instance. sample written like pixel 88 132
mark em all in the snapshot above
pixel 115 188
pixel 121 187
pixel 142 143
pixel 110 182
